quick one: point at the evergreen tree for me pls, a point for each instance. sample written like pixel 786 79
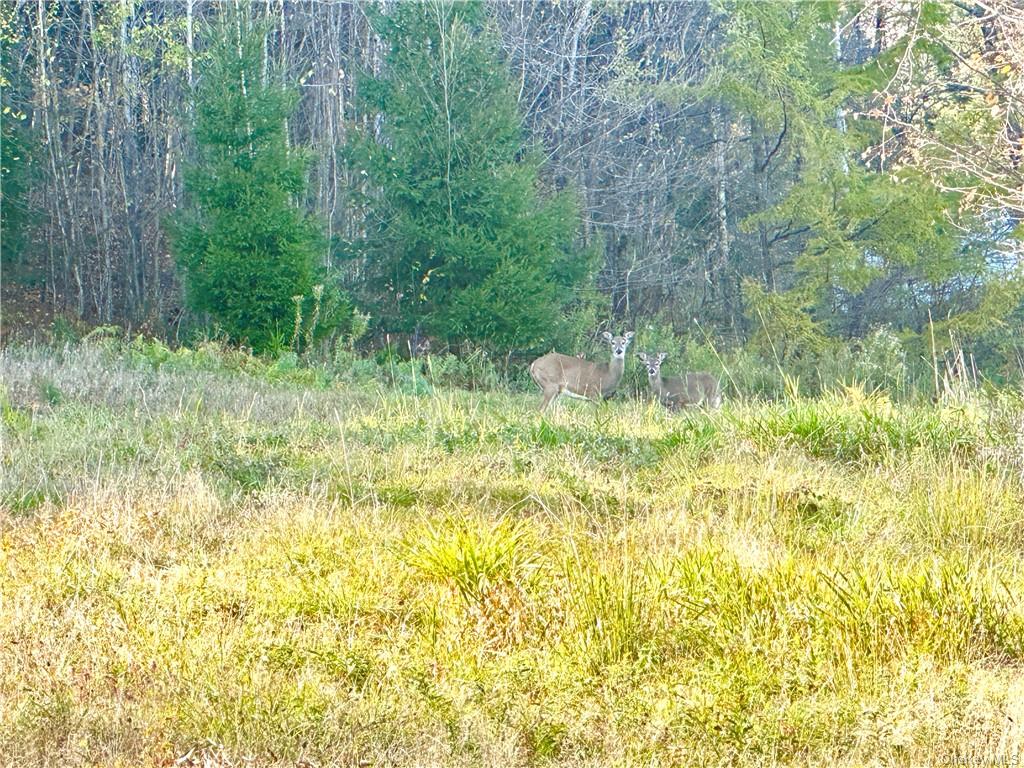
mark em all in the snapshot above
pixel 245 247
pixel 461 243
pixel 15 178
pixel 864 243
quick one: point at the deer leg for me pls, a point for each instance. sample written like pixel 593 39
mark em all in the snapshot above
pixel 549 394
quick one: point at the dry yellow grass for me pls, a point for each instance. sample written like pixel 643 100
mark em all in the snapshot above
pixel 204 568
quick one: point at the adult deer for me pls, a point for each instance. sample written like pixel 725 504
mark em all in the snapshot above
pixel 558 374
pixel 693 389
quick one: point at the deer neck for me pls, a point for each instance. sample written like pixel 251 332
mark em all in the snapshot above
pixel 616 366
pixel 657 383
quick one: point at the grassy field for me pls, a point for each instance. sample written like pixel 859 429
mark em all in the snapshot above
pixel 212 567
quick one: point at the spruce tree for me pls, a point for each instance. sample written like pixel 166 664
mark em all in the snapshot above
pixel 245 247
pixel 462 244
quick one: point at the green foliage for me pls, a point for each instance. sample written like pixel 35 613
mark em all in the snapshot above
pixel 244 246
pixel 850 425
pixel 775 63
pixel 15 169
pixel 874 242
pixel 474 556
pixel 472 371
pixel 464 244
pixel 346 366
pixel 881 361
pixel 894 249
pixel 615 610
pixel 15 172
pixel 48 391
pixel 218 357
pixel 63 332
pixel 407 376
pixel 786 329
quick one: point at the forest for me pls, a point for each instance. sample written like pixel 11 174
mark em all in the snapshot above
pixel 816 185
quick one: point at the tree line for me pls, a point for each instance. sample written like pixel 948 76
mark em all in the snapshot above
pixel 780 175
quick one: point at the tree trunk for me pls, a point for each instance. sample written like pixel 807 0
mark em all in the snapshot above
pixel 721 139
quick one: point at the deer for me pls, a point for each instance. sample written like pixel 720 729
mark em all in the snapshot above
pixel 695 389
pixel 558 374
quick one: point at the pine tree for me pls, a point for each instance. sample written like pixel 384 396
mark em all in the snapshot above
pixel 245 247
pixel 462 244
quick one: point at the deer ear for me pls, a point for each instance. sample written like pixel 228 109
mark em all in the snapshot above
pixel 662 356
pixel 642 356
pixel 606 335
pixel 628 335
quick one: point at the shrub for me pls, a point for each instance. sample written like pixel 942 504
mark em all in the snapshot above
pixel 474 371
pixel 881 361
pixel 751 375
pixel 348 367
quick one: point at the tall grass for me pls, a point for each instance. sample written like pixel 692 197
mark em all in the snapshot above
pixel 209 560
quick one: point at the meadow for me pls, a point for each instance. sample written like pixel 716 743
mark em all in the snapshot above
pixel 210 561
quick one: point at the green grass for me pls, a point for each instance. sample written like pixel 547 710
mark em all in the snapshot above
pixel 218 561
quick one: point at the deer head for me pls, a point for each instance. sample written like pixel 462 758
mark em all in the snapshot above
pixel 652 363
pixel 619 344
